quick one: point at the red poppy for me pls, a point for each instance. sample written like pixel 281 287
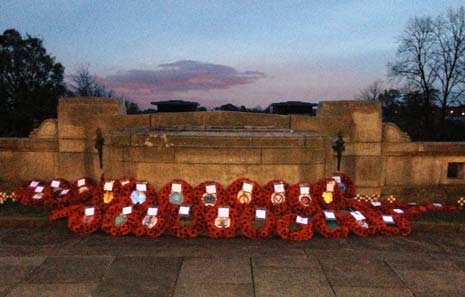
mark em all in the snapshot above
pixel 221 227
pixel 275 197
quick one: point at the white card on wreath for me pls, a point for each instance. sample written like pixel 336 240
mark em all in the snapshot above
pixel 55 184
pixel 330 187
pixel 301 220
pixel 152 211
pixel 398 210
pixel 184 210
pixel 337 179
pixel 223 212
pixel 64 192
pixel 127 210
pixel 357 215
pixel 329 215
pixel 39 189
pixel 279 188
pixel 376 203
pixel 89 211
pixel 437 204
pixel 141 187
pixel 211 189
pixel 260 213
pixel 304 190
pixel 247 187
pixel 388 219
pixel 81 182
pixel 108 186
pixel 175 187
pixel 124 182
pixel 33 184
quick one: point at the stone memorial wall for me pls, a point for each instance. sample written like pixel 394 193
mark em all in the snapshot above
pixel 221 146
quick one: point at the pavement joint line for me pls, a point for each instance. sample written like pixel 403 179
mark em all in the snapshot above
pixel 326 277
pixel 173 291
pixel 106 270
pixel 251 274
pixel 397 275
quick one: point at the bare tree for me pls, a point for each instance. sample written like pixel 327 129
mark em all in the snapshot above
pixel 431 59
pixel 449 55
pixel 372 92
pixel 416 63
pixel 85 84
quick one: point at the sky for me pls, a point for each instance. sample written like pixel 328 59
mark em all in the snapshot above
pixel 248 53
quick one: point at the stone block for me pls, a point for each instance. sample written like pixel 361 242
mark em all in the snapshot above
pixel 149 154
pixel 304 123
pixel 219 155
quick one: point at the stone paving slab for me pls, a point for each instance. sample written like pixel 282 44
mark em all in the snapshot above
pixel 215 270
pixel 52 290
pixel 372 292
pixel 358 272
pixel 75 269
pixel 46 262
pixel 214 290
pixel 434 283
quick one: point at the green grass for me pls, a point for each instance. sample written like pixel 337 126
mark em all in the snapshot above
pixel 10 208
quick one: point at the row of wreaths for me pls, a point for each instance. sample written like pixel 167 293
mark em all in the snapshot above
pixel 123 206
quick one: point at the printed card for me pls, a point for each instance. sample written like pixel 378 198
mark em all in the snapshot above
pixel 329 215
pixel 398 210
pixel 376 203
pixel 211 189
pixel 141 187
pixel 304 190
pixel 81 182
pixel 301 220
pixel 223 212
pixel 330 187
pixel 55 184
pixel 279 188
pixel 39 189
pixel 33 184
pixel 357 215
pixel 108 186
pixel 152 211
pixel 388 219
pixel 184 210
pixel 337 179
pixel 175 187
pixel 127 210
pixel 89 211
pixel 247 187
pixel 260 213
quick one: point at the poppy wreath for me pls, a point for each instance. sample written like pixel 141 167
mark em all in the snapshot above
pixel 187 229
pixel 410 211
pixel 112 213
pixel 81 191
pixel 103 199
pixel 250 231
pixel 63 184
pixel 339 231
pixel 81 224
pixel 334 202
pixel 350 189
pixel 64 212
pixel 165 193
pixel 442 207
pixel 213 231
pixel 400 227
pixel 200 195
pixel 266 198
pixel 28 196
pixel 143 228
pixel 301 206
pixel 240 199
pixel 371 220
pixel 305 231
pixel 24 193
pixel 125 189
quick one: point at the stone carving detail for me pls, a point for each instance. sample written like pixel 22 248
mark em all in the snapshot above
pixel 47 129
pixel 392 133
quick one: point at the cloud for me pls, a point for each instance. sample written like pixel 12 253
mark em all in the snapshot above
pixel 181 76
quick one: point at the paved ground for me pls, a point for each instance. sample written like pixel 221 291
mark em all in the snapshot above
pixel 52 261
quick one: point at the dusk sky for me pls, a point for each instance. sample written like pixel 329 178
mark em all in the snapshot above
pixel 214 52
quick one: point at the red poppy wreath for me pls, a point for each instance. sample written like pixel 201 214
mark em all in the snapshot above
pixel 330 224
pixel 151 221
pixel 257 223
pixel 119 220
pixel 327 193
pixel 294 227
pixel 347 185
pixel 274 196
pixel 301 200
pixel 362 223
pixel 221 222
pixel 85 220
pixel 393 224
pixel 242 193
pixel 188 222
